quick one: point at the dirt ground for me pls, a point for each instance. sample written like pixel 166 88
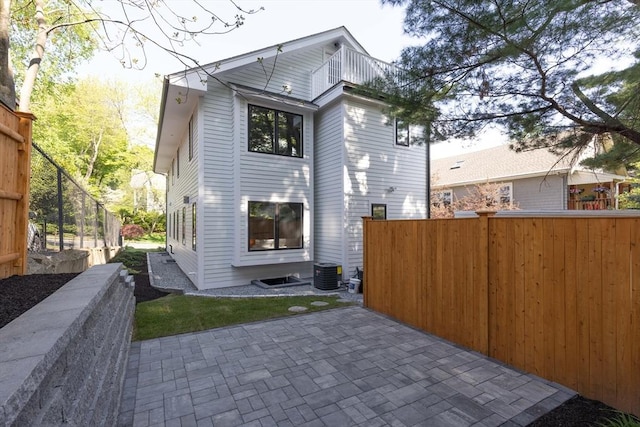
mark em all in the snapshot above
pixel 19 293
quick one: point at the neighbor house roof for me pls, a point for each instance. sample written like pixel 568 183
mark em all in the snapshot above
pixel 501 164
pixel 496 164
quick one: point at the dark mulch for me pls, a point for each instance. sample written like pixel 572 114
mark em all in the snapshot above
pixel 20 293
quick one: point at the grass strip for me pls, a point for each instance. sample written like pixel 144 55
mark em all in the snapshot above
pixel 178 314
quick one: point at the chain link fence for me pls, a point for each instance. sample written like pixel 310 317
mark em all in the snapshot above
pixel 62 214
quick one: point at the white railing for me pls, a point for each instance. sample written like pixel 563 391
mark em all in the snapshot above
pixel 353 67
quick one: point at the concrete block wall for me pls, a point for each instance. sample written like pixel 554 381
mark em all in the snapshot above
pixel 63 361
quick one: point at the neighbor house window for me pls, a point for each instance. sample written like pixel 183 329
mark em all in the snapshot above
pixel 275 226
pixel 444 198
pixel 275 132
pixel 378 211
pixel 191 138
pixel 403 137
pixel 193 226
pixel 505 193
pixel 184 225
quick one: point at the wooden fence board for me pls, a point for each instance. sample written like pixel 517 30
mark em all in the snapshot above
pixel 15 159
pixel 558 297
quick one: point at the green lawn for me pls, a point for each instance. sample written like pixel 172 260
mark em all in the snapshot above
pixel 177 314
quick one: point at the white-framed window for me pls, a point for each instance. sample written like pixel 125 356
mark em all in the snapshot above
pixel 402 133
pixel 275 132
pixel 505 193
pixel 443 197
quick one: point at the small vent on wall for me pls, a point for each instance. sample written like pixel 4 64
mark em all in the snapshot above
pixel 185 199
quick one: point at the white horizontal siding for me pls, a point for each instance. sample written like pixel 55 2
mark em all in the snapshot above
pixel 537 193
pixel 272 178
pixel 329 240
pixel 292 71
pixel 184 184
pixel 223 198
pixel 374 165
pixel 540 193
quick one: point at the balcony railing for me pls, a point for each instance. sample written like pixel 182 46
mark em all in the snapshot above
pixel 352 67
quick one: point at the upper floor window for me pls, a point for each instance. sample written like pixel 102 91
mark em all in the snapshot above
pixel 403 136
pixel 275 132
pixel 191 139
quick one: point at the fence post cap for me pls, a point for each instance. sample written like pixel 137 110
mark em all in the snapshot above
pixel 485 212
pixel 367 217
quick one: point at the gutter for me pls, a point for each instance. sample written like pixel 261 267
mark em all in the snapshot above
pixel 163 103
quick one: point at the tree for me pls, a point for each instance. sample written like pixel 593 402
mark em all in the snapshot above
pixel 77 23
pixel 477 197
pixel 530 66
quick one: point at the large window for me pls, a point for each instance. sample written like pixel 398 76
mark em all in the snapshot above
pixel 403 136
pixel 275 226
pixel 275 132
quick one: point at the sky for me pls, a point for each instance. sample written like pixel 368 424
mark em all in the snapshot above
pixel 378 28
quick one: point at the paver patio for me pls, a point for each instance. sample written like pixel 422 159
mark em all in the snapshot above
pixel 339 367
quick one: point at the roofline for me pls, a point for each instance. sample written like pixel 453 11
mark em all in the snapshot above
pixel 265 50
pixel 163 103
pixel 504 178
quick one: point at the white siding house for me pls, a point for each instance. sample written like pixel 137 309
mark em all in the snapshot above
pixel 271 163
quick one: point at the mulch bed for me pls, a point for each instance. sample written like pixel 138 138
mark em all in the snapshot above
pixel 19 293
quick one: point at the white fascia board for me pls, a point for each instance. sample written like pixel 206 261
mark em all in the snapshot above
pixel 506 178
pixel 338 35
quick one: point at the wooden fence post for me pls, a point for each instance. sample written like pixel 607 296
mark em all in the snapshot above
pixel 365 221
pixel 482 283
pixel 24 185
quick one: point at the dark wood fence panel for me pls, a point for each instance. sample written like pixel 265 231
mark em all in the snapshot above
pixel 555 296
pixel 15 158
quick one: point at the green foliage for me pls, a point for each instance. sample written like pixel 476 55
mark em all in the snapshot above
pixel 621 420
pixel 135 260
pixel 151 221
pixel 525 65
pixel 67 46
pixel 177 314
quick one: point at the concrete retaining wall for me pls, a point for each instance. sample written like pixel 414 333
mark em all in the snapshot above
pixel 63 361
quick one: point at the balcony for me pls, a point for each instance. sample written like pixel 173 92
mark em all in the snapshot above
pixel 592 197
pixel 352 67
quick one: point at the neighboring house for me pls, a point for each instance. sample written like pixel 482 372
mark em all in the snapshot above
pixel 148 191
pixel 534 179
pixel 271 161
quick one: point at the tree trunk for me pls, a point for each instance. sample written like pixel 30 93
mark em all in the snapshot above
pixel 36 58
pixel 7 85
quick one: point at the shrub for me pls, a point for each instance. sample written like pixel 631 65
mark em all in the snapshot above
pixel 132 231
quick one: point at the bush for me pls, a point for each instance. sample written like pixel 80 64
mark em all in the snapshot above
pixel 132 231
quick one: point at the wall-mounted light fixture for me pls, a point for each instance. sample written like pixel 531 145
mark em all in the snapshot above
pixel 391 189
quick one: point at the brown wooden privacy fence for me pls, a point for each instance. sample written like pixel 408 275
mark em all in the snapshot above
pixel 555 296
pixel 15 155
